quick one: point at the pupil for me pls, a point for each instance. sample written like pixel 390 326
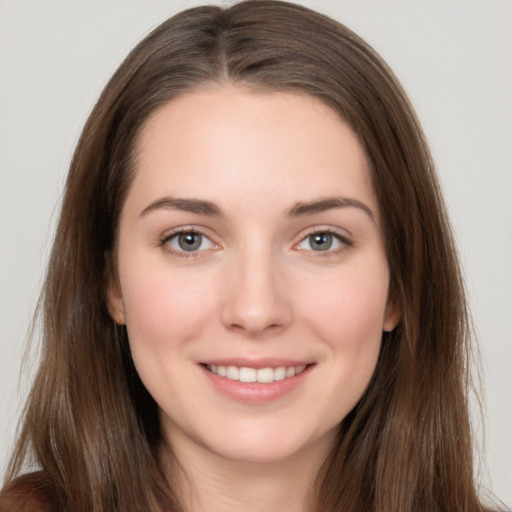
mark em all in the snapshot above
pixel 321 241
pixel 189 241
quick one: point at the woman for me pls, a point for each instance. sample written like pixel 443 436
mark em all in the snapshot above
pixel 253 297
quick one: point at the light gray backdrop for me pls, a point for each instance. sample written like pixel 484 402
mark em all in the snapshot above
pixel 454 58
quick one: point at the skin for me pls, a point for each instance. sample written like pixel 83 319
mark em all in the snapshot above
pixel 256 288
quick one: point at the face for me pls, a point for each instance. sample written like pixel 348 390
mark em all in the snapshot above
pixel 252 275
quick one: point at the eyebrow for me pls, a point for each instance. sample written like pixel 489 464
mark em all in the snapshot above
pixel 198 206
pixel 202 207
pixel 309 208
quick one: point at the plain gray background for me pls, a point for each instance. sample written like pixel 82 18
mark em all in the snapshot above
pixel 454 58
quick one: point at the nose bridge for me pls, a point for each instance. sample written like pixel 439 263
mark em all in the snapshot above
pixel 256 300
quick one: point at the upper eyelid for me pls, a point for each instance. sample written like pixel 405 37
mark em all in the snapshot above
pixel 186 229
pixel 346 242
pixel 165 245
pixel 341 233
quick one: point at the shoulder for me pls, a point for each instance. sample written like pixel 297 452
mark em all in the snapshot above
pixel 25 494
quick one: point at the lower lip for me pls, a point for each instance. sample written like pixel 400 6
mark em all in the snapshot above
pixel 255 392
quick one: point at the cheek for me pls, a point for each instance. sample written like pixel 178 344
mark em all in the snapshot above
pixel 348 314
pixel 163 308
pixel 351 304
pixel 166 313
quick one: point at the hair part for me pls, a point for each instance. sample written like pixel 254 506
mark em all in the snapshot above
pixel 92 426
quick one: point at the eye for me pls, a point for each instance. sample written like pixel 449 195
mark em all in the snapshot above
pixel 323 241
pixel 188 242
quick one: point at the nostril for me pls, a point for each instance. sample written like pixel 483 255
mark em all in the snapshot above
pixel 256 304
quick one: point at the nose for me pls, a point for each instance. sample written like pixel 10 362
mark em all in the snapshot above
pixel 256 299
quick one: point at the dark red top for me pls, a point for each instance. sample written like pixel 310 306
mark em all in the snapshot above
pixel 25 494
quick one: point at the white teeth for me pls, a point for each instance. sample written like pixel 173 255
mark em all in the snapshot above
pixel 247 375
pixel 263 375
pixel 232 372
pixel 280 373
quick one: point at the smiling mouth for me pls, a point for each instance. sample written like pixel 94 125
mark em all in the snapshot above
pixel 261 375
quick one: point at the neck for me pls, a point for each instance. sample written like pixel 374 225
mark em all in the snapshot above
pixel 207 482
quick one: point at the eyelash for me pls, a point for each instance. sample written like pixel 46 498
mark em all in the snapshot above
pixel 343 240
pixel 164 242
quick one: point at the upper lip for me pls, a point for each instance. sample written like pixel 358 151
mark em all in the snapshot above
pixel 267 362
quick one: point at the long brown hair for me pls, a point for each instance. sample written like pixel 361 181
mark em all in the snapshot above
pixel 89 423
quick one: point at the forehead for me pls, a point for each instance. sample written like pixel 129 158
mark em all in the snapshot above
pixel 235 143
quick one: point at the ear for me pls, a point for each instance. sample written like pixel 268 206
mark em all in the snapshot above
pixel 113 294
pixel 392 315
pixel 115 302
pixel 114 297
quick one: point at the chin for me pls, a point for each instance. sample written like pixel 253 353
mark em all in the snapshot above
pixel 269 443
